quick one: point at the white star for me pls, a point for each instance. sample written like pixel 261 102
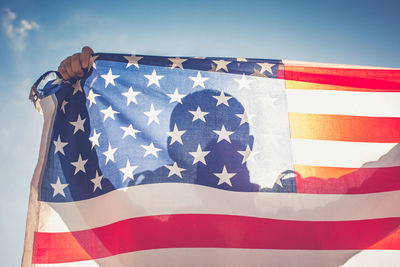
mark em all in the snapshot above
pixel 252 156
pixel 92 62
pixel 77 87
pixel 243 118
pixel 151 149
pixel 258 73
pixel 223 134
pixel 177 62
pixel 63 105
pixel 271 138
pixel 241 59
pixel 97 181
pixel 92 97
pixel 266 67
pixel 199 155
pixel 129 131
pixel 130 96
pixel 268 100
pixel 222 99
pixel 221 64
pixel 109 78
pixel 128 171
pixel 174 169
pixel 198 114
pixel 245 153
pixel 175 96
pixel 59 146
pixel 95 138
pixel 110 153
pixel 152 115
pixel 225 177
pixel 198 80
pixel 79 165
pixel 154 78
pixel 78 124
pixel 109 113
pixel 132 60
pixel 176 135
pixel 58 188
pixel 243 82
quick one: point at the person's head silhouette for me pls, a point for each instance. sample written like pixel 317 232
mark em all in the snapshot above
pixel 215 140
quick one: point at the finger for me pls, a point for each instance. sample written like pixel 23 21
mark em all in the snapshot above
pixel 76 65
pixel 63 72
pixel 85 56
pixel 68 67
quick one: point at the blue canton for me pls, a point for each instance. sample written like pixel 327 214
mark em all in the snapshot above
pixel 138 120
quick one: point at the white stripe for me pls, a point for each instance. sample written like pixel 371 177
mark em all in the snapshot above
pixel 373 104
pixel 345 154
pixel 176 198
pixel 374 258
pixel 217 257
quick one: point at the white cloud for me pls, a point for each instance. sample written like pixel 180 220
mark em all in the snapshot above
pixel 17 34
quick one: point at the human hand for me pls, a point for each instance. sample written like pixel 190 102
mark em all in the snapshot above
pixel 75 65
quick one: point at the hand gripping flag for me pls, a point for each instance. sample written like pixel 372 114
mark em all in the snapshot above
pixel 160 161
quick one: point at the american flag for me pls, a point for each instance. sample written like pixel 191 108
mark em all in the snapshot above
pixel 179 161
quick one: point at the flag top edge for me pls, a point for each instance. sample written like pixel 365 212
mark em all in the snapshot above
pixel 332 65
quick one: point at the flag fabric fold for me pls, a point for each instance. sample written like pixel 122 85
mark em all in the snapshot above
pixel 185 161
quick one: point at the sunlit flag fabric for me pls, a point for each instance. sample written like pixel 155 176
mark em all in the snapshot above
pixel 168 161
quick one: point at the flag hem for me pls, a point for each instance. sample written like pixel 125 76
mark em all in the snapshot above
pixel 48 105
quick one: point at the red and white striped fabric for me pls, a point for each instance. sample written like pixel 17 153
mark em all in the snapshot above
pixel 345 132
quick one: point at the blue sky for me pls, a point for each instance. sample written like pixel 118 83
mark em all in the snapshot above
pixel 37 35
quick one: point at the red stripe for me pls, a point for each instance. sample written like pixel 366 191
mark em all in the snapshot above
pixel 376 79
pixel 214 231
pixel 360 181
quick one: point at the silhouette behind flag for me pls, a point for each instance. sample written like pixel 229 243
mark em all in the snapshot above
pixel 202 152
